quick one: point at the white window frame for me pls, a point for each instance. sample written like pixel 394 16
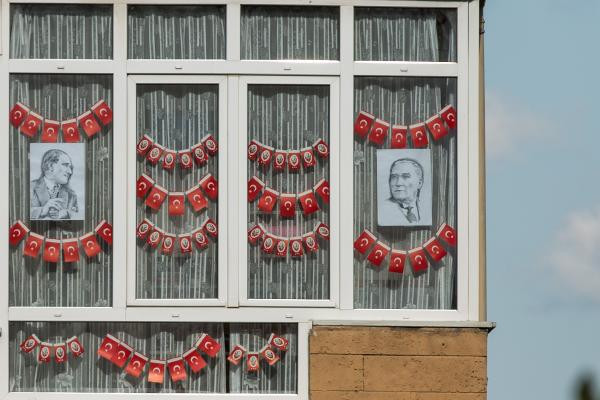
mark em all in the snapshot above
pixel 236 309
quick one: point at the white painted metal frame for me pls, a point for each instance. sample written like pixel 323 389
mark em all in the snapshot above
pixel 334 173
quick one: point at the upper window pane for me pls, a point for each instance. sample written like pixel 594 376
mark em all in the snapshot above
pixel 404 34
pixel 176 32
pixel 290 33
pixel 61 31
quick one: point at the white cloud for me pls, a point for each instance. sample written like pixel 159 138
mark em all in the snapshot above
pixel 575 255
pixel 509 125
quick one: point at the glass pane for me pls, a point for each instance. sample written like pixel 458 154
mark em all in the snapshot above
pixel 290 33
pixel 60 206
pixel 431 195
pixel 61 31
pixel 177 117
pixel 404 34
pixel 288 118
pixel 90 373
pixel 176 32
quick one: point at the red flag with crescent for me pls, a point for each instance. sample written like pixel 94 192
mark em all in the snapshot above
pixel 50 131
pixel 156 371
pixel 399 136
pixel 18 114
pixel 17 232
pixel 177 369
pixel 208 345
pixel 362 124
pixel 105 231
pixel 90 244
pixel 70 131
pixel 103 112
pixel 194 360
pixel 136 365
pixel 108 347
pixel 33 244
pixel 70 249
pixel 88 123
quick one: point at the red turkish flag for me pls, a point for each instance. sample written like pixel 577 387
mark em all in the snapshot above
pixel 177 369
pixel 51 250
pixel 70 249
pixel 255 187
pixel 363 123
pixel 252 362
pixel 33 244
pixel 50 131
pixel 322 189
pixel 17 232
pixel 90 244
pixel 397 261
pixel 200 239
pixel 267 201
pixel 418 259
pixel 210 144
pixel 32 124
pixel 281 247
pixel 279 160
pixel 287 205
pixel 436 127
pixel 155 153
pixel 18 114
pixel 169 160
pixel 278 341
pixel 293 160
pixel 144 145
pixel 194 360
pixel 310 242
pixel 167 244
pixel 448 114
pixel 143 229
pixel 103 112
pixel 105 231
pixel 208 345
pixel 136 365
pixel 156 372
pixel 196 198
pixel 296 249
pixel 176 203
pixel 378 253
pixel 418 135
pixel 236 354
pixel 45 353
pixel 155 237
pixel 266 154
pixel 186 159
pixel 157 196
pixel 269 355
pixel 321 148
pixel 70 131
pixel 379 132
pixel 199 153
pixel 269 242
pixel 210 186
pixel 29 344
pixel 75 347
pixel 364 241
pixel 60 353
pixel 210 228
pixel 399 136
pixel 255 234
pixel 448 234
pixel 322 230
pixel 88 123
pixel 308 201
pixel 185 245
pixel 143 186
pixel 253 150
pixel 435 249
pixel 108 347
pixel 308 157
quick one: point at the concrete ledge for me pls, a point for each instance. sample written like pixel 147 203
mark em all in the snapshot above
pixel 488 325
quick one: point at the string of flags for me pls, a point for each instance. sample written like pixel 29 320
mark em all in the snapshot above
pixel 417 256
pixel 287 201
pixel 199 153
pixel 47 351
pixel 155 194
pixel 277 245
pixel 287 158
pixel 155 237
pixel 29 123
pixel 376 130
pixel 118 353
pixel 267 353
pixel 52 247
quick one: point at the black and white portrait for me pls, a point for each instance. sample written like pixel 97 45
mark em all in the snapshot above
pixel 404 187
pixel 57 181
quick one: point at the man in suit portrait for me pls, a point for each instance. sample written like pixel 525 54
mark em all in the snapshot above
pixel 405 181
pixel 51 197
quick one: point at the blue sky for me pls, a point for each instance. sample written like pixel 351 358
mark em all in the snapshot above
pixel 543 206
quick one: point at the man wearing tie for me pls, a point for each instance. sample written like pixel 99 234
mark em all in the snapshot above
pixel 405 183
